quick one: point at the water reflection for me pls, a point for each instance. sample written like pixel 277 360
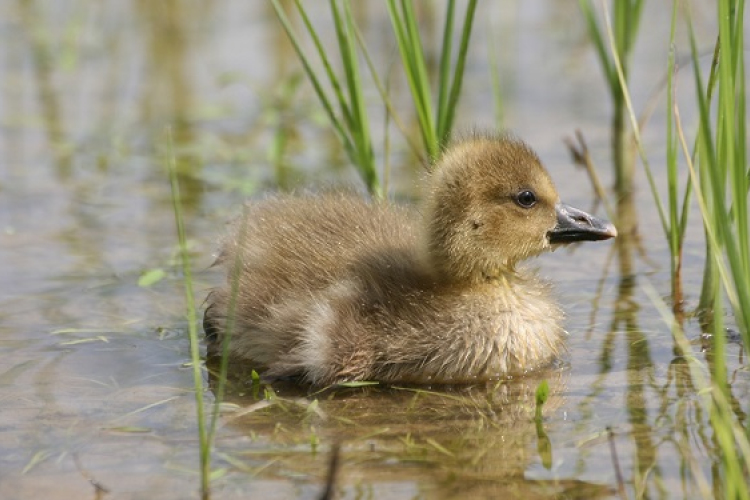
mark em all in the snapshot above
pixel 170 28
pixel 476 441
pixel 43 60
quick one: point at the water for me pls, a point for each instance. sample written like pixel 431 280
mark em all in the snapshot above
pixel 93 378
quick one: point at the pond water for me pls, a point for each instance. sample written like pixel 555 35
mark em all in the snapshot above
pixel 95 385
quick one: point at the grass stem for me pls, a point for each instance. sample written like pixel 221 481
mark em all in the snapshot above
pixel 192 319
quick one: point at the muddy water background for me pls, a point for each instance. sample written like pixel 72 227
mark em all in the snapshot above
pixel 93 383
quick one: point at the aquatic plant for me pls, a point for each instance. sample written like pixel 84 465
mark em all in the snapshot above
pixel 721 176
pixel 351 123
pixel 721 180
pixel 192 321
pixel 626 20
pixel 435 130
pixel 345 93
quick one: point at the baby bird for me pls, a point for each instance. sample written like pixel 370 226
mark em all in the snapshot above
pixel 333 288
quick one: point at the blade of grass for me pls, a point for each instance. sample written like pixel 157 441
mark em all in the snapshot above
pixel 306 65
pixel 205 445
pixel 601 48
pixel 352 127
pixel 410 49
pixel 416 52
pixel 359 128
pixel 674 236
pixel 384 95
pixel 712 185
pixel 444 128
pixel 732 151
pixel 634 121
pixel 445 62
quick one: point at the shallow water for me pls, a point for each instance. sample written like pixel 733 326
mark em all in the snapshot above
pixel 94 384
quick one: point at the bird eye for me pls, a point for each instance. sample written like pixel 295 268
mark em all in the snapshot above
pixel 526 199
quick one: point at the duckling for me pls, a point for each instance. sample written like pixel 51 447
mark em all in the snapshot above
pixel 332 288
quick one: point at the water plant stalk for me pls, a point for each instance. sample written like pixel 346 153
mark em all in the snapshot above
pixel 721 180
pixel 435 131
pixel 351 122
pixel 626 17
pixel 722 166
pixel 192 320
pixel 229 328
pixel 342 96
pixel 675 229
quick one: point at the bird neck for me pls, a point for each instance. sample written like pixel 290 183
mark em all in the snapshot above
pixel 462 273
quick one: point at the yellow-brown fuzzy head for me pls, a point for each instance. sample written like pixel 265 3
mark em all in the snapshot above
pixel 489 204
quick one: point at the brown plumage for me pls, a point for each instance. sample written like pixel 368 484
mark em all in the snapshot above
pixel 333 288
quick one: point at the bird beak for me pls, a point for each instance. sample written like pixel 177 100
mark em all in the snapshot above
pixel 576 225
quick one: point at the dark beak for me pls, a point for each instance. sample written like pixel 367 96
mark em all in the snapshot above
pixel 576 225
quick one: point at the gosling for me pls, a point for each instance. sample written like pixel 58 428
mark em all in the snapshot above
pixel 332 288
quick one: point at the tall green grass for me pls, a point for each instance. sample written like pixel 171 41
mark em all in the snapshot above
pixel 435 128
pixel 342 95
pixel 723 170
pixel 351 123
pixel 626 20
pixel 720 178
pixel 677 205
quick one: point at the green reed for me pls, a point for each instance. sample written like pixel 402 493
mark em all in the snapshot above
pixel 221 376
pixel 342 96
pixel 626 20
pixel 435 130
pixel 195 356
pixel 677 205
pixel 722 171
pixel 720 182
pixel 351 122
pixel 206 429
pixel 722 164
pixel 722 186
pixel 720 176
